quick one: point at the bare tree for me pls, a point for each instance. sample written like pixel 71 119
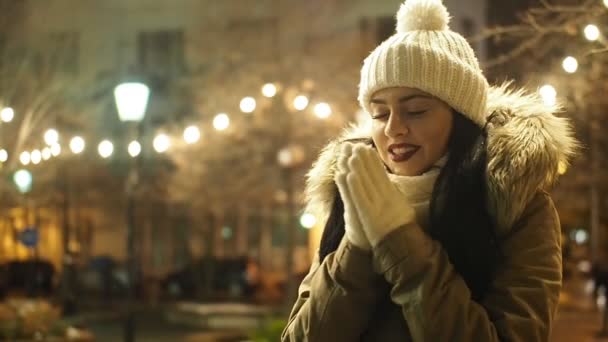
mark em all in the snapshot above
pixel 534 51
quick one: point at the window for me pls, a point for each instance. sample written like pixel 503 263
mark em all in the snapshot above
pixel 252 39
pixel 3 47
pixel 64 52
pixel 469 29
pixel 161 52
pixel 376 30
pixel 385 27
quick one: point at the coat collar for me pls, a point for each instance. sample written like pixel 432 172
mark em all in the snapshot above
pixel 526 144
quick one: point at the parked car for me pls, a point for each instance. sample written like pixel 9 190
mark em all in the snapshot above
pixel 33 277
pixel 104 276
pixel 230 278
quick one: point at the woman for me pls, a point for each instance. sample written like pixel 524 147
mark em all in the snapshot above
pixel 437 224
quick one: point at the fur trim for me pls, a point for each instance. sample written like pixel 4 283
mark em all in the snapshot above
pixel 320 187
pixel 526 144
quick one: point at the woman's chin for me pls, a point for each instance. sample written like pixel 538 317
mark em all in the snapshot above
pixel 402 169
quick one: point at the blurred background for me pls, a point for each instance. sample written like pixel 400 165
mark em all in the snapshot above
pixel 153 154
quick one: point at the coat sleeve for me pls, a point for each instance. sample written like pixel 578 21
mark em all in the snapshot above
pixel 339 292
pixel 436 302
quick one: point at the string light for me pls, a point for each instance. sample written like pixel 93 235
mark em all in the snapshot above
pixel 56 150
pixel 24 158
pixel 221 122
pixel 7 114
pixel 570 64
pixel 592 33
pixel 46 153
pixel 192 134
pixel 77 145
pixel 269 90
pixel 300 102
pixel 161 143
pixel 105 149
pixel 134 148
pixel 51 137
pixel 548 94
pixel 562 168
pixel 3 156
pixel 322 110
pixel 247 104
pixel 308 220
pixel 36 157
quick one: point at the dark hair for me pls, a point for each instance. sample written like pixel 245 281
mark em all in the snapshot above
pixel 459 217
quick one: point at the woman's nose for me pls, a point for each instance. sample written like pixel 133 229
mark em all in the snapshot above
pixel 395 126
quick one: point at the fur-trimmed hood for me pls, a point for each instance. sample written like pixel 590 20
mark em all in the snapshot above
pixel 526 144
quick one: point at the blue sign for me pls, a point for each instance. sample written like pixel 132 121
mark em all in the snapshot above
pixel 29 237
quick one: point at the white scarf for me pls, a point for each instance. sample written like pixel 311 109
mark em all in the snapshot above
pixel 419 189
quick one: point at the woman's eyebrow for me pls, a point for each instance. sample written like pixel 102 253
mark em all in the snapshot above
pixel 402 99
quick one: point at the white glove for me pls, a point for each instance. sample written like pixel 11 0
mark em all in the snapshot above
pixel 380 206
pixel 352 226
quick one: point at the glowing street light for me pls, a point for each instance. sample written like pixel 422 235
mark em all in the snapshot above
pixel 3 156
pixel 36 157
pixel 562 168
pixel 161 143
pixel 46 153
pixel 269 90
pixel 300 102
pixel 131 100
pixel 592 33
pixel 581 236
pixel 51 137
pixel 247 104
pixel 134 148
pixel 548 94
pixel 192 134
pixel 290 156
pixel 7 114
pixel 570 64
pixel 24 158
pixel 322 110
pixel 77 145
pixel 23 180
pixel 308 220
pixel 105 149
pixel 221 122
pixel 55 150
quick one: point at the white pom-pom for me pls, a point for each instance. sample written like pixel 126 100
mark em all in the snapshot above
pixel 426 15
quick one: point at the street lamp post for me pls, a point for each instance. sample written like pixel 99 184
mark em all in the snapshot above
pixel 289 158
pixel 23 180
pixel 131 102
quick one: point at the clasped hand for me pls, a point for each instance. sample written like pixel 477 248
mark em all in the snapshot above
pixel 373 206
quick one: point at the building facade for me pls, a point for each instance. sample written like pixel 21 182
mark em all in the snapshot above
pixel 201 56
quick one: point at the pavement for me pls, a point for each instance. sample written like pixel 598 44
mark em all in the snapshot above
pixel 152 325
pixel 579 318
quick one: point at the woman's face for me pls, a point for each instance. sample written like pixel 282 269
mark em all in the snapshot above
pixel 410 129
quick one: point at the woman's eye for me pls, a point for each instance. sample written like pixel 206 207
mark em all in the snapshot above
pixel 378 116
pixel 416 112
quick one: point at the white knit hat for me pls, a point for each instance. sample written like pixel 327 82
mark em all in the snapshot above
pixel 425 54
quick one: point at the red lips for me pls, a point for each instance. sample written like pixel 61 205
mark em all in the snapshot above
pixel 402 152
